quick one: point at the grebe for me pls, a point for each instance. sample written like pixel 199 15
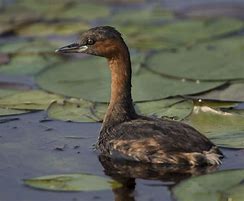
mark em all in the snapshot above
pixel 124 133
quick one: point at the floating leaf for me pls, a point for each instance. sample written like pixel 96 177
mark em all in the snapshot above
pixel 228 93
pixel 177 33
pixel 85 111
pixel 212 10
pixel 224 128
pixel 45 8
pixel 8 111
pixel 86 11
pixel 190 31
pixel 72 182
pixel 17 14
pixel 77 111
pixel 90 79
pixel 28 47
pixel 211 187
pixel 176 109
pixel 57 28
pixel 30 100
pixel 221 60
pixel 143 16
pixel 28 58
pixel 235 193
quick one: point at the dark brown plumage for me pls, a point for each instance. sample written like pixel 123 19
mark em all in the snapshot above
pixel 127 135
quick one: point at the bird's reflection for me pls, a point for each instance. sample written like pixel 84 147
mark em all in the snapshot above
pixel 126 172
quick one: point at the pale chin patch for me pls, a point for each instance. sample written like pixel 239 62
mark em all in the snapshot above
pixel 82 48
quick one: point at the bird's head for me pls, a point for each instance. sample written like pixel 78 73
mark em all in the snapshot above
pixel 102 41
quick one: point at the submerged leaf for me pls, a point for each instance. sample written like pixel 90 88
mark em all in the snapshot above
pixel 220 60
pixel 72 182
pixel 212 187
pixel 224 128
pixel 30 100
pixel 90 79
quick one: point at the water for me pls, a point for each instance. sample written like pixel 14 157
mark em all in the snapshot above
pixel 31 147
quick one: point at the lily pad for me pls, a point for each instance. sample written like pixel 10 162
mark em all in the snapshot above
pixel 44 8
pixel 190 31
pixel 17 14
pixel 8 111
pixel 232 92
pixel 30 100
pixel 176 109
pixel 89 79
pixel 7 92
pixel 85 11
pixel 27 58
pixel 85 111
pixel 143 16
pixel 220 60
pixel 177 33
pixel 72 182
pixel 235 193
pixel 77 111
pixel 211 187
pixel 225 128
pixel 57 28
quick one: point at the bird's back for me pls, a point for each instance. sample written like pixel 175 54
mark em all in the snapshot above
pixel 154 140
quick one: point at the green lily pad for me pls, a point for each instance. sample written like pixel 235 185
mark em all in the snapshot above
pixel 15 14
pixel 176 109
pixel 7 92
pixel 91 81
pixel 8 111
pixel 28 58
pixel 220 60
pixel 232 92
pixel 225 128
pixel 177 33
pixel 211 187
pixel 190 31
pixel 72 182
pixel 44 8
pixel 28 47
pixel 29 100
pixel 235 193
pixel 26 65
pixel 143 16
pixel 85 11
pixel 77 111
pixel 85 111
pixel 146 37
pixel 57 28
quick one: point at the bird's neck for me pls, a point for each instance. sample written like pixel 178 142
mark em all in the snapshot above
pixel 121 105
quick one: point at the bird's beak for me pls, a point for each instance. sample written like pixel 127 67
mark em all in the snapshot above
pixel 72 48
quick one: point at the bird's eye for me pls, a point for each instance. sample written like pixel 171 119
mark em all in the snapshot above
pixel 90 41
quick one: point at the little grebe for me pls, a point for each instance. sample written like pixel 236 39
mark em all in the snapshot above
pixel 124 133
